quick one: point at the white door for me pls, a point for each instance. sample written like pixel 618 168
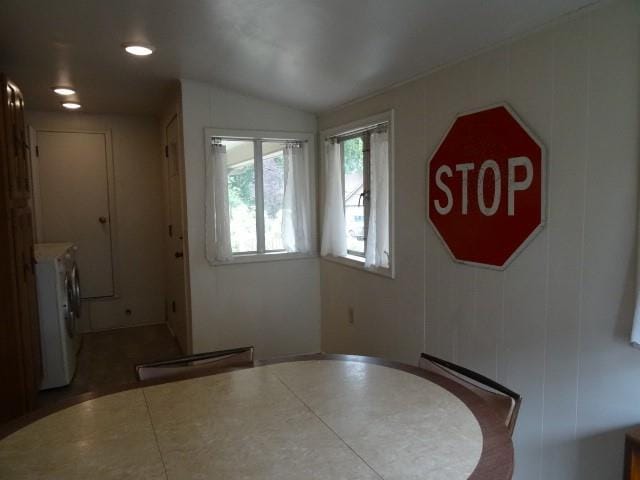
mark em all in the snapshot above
pixel 177 307
pixel 73 180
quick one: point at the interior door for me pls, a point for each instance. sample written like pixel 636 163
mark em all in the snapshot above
pixel 177 308
pixel 73 183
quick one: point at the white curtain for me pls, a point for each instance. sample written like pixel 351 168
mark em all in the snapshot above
pixel 377 251
pixel 296 236
pixel 218 231
pixel 334 238
pixel 635 328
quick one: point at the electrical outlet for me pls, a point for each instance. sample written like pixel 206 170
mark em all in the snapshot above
pixel 352 316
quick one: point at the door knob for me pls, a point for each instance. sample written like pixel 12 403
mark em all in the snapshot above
pixel 102 220
pixel 179 254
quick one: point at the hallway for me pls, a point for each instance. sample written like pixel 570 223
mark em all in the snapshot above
pixel 109 358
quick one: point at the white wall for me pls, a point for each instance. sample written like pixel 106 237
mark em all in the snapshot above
pixel 554 326
pixel 139 267
pixel 274 306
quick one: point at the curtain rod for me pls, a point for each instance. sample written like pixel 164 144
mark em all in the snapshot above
pixel 281 141
pixel 381 126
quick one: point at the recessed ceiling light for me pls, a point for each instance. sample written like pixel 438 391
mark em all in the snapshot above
pixel 71 105
pixel 64 91
pixel 138 50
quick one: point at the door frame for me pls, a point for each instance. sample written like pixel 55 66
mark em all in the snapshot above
pixel 111 200
pixel 175 117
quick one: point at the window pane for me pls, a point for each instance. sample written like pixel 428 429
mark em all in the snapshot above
pixel 273 181
pixel 353 187
pixel 242 195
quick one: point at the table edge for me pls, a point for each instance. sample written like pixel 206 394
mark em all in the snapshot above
pixel 496 459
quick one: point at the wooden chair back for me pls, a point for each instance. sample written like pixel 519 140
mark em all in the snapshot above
pixel 505 402
pixel 209 362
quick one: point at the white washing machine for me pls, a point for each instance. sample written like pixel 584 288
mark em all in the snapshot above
pixel 59 307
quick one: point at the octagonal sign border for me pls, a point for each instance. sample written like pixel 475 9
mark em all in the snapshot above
pixel 543 187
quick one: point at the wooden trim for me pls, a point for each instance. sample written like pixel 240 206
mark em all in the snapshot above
pixel 496 460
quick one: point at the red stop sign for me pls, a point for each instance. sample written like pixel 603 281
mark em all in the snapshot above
pixel 487 187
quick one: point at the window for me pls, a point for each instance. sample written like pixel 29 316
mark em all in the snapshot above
pixel 241 185
pixel 357 185
pixel 241 188
pixel 259 192
pixel 273 181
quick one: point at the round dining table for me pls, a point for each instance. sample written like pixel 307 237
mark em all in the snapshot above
pixel 316 416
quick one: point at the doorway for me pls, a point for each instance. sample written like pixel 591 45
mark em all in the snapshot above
pixel 177 315
pixel 74 174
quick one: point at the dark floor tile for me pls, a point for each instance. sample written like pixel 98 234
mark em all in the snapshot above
pixel 109 358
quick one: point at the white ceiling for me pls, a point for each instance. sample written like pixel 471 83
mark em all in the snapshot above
pixel 310 54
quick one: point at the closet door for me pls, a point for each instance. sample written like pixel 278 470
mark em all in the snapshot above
pixel 73 185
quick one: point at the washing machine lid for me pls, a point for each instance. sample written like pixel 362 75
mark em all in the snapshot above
pixel 47 252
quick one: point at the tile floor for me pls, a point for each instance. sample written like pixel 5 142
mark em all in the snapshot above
pixel 108 358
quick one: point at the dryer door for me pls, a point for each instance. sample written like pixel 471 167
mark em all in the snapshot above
pixel 68 308
pixel 75 294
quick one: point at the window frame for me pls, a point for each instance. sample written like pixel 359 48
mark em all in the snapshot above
pixel 257 137
pixel 343 131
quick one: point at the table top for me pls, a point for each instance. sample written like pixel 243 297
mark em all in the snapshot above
pixel 318 417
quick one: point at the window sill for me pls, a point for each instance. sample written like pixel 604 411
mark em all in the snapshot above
pixel 244 259
pixel 357 263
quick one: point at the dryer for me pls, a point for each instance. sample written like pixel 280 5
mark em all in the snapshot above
pixel 58 285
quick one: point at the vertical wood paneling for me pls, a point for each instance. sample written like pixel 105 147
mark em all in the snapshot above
pixel 566 198
pixel 554 326
pixel 530 85
pixel 609 393
pixel 388 313
pixel 409 146
pixel 438 339
pixel 453 90
pixel 434 253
